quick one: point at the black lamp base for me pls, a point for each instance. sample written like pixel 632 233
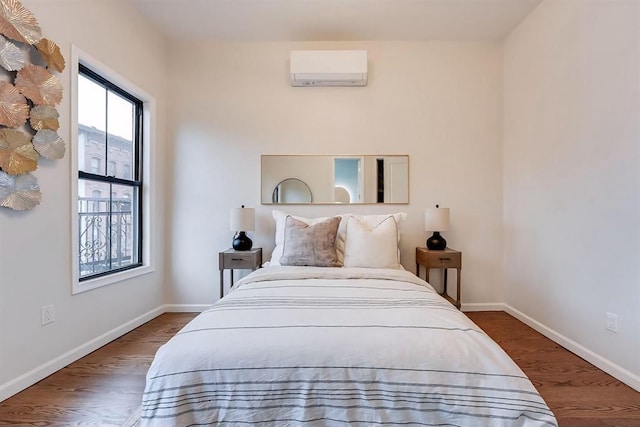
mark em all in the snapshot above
pixel 436 242
pixel 242 242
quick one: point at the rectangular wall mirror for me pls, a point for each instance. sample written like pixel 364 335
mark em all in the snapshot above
pixel 325 179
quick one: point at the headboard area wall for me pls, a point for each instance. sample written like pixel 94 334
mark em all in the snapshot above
pixel 439 103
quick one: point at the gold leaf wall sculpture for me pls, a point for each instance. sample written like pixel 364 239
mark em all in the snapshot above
pixel 29 92
pixel 13 106
pixel 49 144
pixel 17 153
pixel 18 23
pixel 20 192
pixel 44 117
pixel 11 56
pixel 50 52
pixel 39 85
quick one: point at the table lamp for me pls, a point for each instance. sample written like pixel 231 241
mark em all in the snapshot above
pixel 436 220
pixel 242 220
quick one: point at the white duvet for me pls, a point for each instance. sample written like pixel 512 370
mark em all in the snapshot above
pixel 336 347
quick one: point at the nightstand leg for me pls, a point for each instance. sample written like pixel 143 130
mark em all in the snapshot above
pixel 444 281
pixel 458 299
pixel 221 283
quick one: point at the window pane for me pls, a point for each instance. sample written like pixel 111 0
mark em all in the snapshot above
pixel 108 226
pixel 121 127
pixel 124 220
pixel 93 226
pixel 91 125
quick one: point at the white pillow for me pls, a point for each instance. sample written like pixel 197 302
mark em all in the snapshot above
pixel 373 220
pixel 370 244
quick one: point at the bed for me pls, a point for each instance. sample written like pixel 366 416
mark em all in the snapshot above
pixel 336 345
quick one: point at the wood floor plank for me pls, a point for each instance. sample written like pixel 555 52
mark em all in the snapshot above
pixel 105 387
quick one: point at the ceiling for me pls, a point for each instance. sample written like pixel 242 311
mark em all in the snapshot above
pixel 336 20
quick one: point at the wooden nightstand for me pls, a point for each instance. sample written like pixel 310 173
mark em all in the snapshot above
pixel 232 259
pixel 448 258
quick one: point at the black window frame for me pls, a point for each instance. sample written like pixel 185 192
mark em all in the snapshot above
pixel 136 180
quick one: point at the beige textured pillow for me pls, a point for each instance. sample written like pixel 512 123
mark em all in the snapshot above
pixel 310 244
pixel 280 218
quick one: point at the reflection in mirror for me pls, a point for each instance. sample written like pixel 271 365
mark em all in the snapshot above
pixel 292 190
pixel 311 179
pixel 348 182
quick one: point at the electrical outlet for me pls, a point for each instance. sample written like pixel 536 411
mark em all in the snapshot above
pixel 48 314
pixel 612 322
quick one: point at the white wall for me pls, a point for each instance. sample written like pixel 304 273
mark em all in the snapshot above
pixel 440 103
pixel 35 246
pixel 572 176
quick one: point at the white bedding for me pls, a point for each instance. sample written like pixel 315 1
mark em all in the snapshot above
pixel 336 346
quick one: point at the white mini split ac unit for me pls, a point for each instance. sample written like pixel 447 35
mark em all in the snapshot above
pixel 328 67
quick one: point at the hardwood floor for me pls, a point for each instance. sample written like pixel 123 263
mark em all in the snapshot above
pixel 103 388
pixel 578 393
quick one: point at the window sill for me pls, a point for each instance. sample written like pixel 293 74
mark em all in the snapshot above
pixel 98 282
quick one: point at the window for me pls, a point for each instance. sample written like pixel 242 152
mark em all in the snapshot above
pixel 95 165
pixel 109 164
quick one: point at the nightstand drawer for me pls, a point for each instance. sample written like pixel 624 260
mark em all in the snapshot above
pixel 447 261
pixel 239 261
pixel 439 259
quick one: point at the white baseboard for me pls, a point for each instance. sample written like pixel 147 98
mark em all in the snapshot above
pixel 496 306
pixel 18 384
pixel 595 359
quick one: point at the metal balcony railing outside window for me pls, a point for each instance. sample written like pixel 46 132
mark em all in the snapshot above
pixel 107 239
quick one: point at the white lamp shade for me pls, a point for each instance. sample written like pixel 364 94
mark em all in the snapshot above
pixel 436 219
pixel 243 219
